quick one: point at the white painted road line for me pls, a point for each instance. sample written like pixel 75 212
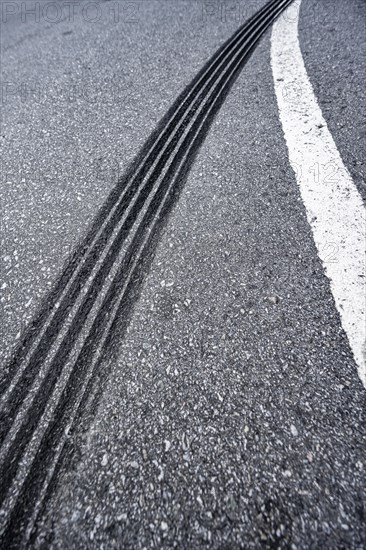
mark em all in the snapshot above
pixel 333 205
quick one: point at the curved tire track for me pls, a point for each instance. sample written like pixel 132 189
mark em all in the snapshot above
pixel 52 372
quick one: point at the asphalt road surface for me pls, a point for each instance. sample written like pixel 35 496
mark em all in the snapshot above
pixel 183 360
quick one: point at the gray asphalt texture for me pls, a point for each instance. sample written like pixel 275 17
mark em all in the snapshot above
pixel 333 42
pixel 232 415
pixel 79 99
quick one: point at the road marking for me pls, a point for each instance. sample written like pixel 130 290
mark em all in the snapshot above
pixel 333 205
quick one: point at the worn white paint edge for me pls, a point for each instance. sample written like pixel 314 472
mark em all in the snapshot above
pixel 334 207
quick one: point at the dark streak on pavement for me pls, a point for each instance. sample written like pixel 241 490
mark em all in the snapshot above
pixel 233 415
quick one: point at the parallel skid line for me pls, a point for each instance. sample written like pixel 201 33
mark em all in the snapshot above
pixel 49 435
